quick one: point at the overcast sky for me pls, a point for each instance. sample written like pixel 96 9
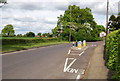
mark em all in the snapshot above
pixel 41 15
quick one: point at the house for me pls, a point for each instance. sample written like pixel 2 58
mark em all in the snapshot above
pixel 102 34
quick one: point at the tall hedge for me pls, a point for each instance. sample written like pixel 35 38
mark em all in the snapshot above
pixel 25 41
pixel 113 52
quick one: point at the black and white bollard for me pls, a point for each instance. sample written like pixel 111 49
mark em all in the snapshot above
pixel 76 43
pixel 73 44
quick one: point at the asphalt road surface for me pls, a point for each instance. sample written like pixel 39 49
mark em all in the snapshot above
pixel 51 62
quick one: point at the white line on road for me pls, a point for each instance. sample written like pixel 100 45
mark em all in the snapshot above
pixel 78 77
pixel 85 48
pixel 70 58
pixel 83 72
pixel 81 53
pixel 67 67
pixel 74 54
pixel 69 52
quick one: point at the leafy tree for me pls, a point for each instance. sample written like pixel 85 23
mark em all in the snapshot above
pixel 114 22
pixel 19 35
pixel 76 21
pixel 39 34
pixel 30 34
pixel 47 35
pixel 8 30
pixel 99 29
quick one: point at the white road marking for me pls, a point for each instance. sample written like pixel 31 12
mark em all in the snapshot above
pixel 70 58
pixel 83 72
pixel 69 52
pixel 81 53
pixel 74 54
pixel 85 48
pixel 65 66
pixel 71 70
pixel 78 77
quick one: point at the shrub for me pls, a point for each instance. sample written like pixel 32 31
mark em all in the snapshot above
pixel 113 52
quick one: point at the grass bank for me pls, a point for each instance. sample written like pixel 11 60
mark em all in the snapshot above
pixel 22 43
pixel 9 48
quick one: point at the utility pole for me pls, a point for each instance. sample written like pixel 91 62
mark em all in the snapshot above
pixel 106 27
pixel 107 17
pixel 70 25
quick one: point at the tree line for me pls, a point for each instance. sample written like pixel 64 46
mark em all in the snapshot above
pixel 75 24
pixel 8 31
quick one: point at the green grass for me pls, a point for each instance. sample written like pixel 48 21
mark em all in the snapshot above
pixel 8 48
pixel 25 38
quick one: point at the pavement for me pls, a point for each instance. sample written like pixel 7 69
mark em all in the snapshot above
pixel 55 62
pixel 97 68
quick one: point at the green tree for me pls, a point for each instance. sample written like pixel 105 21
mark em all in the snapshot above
pixel 99 29
pixel 114 22
pixel 74 21
pixel 8 30
pixel 19 35
pixel 30 34
pixel 39 34
pixel 47 35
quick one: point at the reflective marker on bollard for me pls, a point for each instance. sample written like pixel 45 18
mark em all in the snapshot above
pixel 73 44
pixel 84 42
pixel 79 45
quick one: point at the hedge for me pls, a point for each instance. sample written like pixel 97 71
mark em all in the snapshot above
pixel 25 41
pixel 113 52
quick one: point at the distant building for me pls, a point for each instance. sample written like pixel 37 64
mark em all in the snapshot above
pixel 102 34
pixel 37 36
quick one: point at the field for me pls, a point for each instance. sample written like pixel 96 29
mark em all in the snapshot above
pixel 23 43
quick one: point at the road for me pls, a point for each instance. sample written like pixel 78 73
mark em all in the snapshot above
pixel 47 62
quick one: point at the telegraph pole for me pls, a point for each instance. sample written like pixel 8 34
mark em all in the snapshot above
pixel 106 27
pixel 70 25
pixel 107 17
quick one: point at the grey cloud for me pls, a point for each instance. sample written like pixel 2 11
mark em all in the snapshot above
pixel 24 5
pixel 41 16
pixel 25 19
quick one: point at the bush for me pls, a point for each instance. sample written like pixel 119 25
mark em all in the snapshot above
pixel 26 41
pixel 30 34
pixel 113 52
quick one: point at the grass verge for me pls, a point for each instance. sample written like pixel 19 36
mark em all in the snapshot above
pixel 10 48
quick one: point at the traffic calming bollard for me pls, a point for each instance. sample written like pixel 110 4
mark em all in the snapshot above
pixel 79 45
pixel 84 42
pixel 76 43
pixel 73 44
